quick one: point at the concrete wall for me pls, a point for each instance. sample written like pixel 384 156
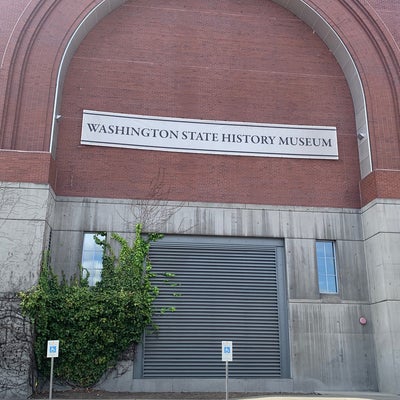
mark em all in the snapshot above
pixel 330 349
pixel 381 221
pixel 25 213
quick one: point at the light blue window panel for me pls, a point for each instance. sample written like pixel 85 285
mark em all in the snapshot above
pixel 92 258
pixel 326 262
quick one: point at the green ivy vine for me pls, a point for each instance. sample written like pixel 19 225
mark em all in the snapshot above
pixel 94 324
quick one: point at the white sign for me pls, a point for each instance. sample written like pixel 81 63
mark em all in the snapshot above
pixel 211 137
pixel 52 348
pixel 227 351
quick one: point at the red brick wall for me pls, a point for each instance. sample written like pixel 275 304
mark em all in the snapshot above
pixel 32 167
pixel 380 184
pixel 221 60
pixel 389 11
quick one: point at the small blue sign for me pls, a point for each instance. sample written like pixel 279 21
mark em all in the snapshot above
pixel 227 351
pixel 53 347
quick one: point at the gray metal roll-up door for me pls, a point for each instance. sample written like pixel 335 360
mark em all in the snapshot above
pixel 225 289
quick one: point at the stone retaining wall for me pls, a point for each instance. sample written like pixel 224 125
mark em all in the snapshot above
pixel 16 350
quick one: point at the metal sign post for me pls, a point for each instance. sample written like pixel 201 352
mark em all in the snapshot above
pixel 52 352
pixel 226 380
pixel 227 355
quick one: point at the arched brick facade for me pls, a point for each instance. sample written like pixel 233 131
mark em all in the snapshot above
pixel 260 64
pixel 39 31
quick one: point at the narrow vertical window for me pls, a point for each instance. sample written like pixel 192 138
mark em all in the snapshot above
pixel 92 258
pixel 326 262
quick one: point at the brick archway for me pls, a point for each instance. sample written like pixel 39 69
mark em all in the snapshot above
pixel 360 42
pixel 306 13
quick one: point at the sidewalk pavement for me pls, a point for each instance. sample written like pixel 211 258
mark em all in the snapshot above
pixel 222 396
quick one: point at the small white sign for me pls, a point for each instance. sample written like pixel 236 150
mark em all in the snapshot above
pixel 227 351
pixel 52 348
pixel 210 137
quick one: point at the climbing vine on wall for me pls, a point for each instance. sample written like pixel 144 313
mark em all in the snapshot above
pixel 94 324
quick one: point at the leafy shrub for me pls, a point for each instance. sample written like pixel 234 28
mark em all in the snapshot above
pixel 94 324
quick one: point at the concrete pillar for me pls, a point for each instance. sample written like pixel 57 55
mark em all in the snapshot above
pixel 381 222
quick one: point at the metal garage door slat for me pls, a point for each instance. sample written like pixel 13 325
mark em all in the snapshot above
pixel 227 291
